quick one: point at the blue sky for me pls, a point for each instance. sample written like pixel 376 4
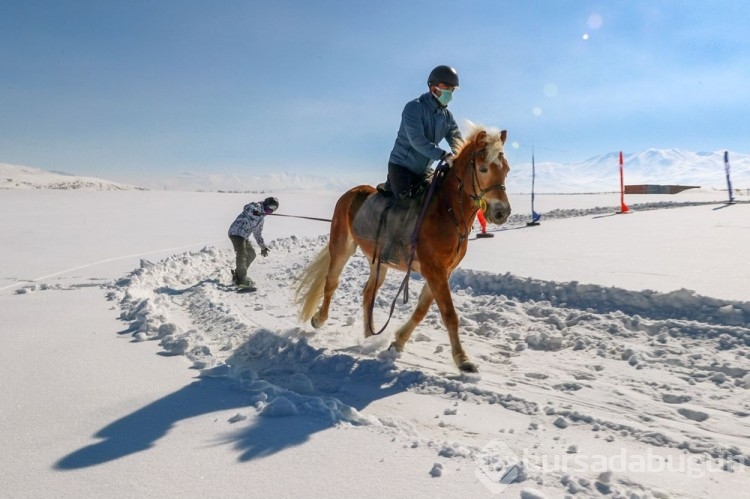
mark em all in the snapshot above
pixel 130 89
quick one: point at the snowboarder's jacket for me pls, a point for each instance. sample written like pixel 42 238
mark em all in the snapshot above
pixel 250 221
pixel 424 123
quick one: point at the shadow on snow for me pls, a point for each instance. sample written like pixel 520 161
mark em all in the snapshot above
pixel 290 390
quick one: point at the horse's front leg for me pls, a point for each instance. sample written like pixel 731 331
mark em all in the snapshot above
pixel 368 296
pixel 442 293
pixel 404 332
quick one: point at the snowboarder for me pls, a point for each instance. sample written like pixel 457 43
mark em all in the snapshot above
pixel 250 221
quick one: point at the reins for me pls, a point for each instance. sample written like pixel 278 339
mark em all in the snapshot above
pixel 479 203
pixel 437 177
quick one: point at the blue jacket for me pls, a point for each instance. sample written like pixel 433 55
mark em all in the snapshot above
pixel 250 221
pixel 424 123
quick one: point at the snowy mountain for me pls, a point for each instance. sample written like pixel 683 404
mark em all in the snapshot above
pixel 596 174
pixel 253 183
pixel 23 177
pixel 652 166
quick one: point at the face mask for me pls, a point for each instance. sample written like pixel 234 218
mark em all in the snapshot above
pixel 445 96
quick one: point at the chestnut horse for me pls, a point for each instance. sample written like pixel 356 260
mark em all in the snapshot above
pixel 476 180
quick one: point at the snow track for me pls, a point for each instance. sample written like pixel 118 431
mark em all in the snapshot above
pixel 565 367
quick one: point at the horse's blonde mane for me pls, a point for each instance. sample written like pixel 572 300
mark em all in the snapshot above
pixel 494 141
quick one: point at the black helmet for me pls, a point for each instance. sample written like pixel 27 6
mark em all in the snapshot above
pixel 271 203
pixel 443 74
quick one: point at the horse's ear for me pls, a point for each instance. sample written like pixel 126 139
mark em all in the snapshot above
pixel 481 139
pixel 503 136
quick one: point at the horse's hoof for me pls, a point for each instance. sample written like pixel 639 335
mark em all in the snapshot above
pixel 314 323
pixel 393 347
pixel 468 367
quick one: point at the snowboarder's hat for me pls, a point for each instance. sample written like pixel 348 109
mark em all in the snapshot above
pixel 271 203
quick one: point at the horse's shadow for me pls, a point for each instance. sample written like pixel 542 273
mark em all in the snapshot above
pixel 340 380
pixel 141 429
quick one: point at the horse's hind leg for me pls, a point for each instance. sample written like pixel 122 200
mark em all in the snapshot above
pixel 339 254
pixel 404 332
pixel 321 279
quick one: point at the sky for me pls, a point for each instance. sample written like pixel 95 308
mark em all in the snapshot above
pixel 130 90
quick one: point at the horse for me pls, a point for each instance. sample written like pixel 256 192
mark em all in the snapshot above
pixel 476 180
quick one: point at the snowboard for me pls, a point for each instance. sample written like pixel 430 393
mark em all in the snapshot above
pixel 242 288
pixel 483 235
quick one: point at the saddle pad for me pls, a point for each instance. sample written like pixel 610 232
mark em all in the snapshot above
pixel 399 222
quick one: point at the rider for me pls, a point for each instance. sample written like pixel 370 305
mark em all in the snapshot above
pixel 250 221
pixel 425 122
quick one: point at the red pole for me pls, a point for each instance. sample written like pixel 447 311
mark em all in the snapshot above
pixel 623 206
pixel 482 221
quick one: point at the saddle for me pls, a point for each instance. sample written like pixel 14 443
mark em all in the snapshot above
pixel 389 221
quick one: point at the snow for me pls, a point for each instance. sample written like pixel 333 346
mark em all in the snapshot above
pixel 614 354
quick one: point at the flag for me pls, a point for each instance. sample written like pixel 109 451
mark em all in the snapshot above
pixel 729 179
pixel 623 206
pixel 534 215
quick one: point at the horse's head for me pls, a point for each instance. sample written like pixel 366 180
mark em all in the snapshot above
pixel 482 165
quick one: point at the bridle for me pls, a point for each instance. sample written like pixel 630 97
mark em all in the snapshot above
pixel 479 198
pixel 476 196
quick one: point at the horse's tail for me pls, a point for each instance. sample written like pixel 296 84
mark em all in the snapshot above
pixel 311 285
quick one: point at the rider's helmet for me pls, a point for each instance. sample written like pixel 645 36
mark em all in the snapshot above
pixel 443 74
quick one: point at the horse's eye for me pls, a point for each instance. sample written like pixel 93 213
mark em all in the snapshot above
pixel 484 169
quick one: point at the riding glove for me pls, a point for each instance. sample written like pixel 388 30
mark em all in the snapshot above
pixel 448 158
